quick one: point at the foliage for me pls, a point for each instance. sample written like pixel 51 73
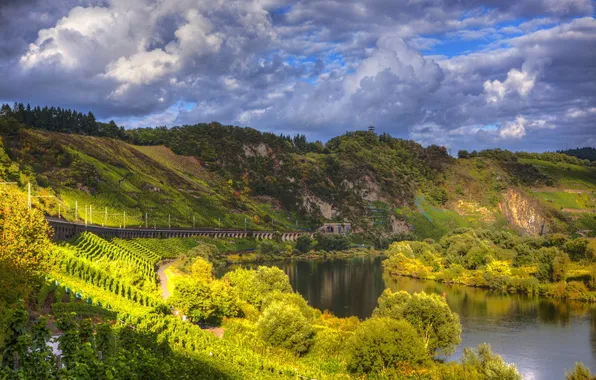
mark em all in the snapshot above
pixel 489 365
pixel 202 270
pixel 283 325
pixel 304 243
pixel 579 372
pixel 479 364
pixel 501 260
pixel 204 301
pixel 331 242
pixel 101 351
pixel 552 264
pixel 252 286
pixel 24 249
pixel 384 343
pixel 429 314
pixel 586 153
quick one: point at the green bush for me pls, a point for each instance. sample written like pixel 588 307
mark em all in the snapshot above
pixel 579 372
pixel 430 315
pixel 382 343
pixel 304 243
pixel 294 299
pixel 253 285
pixel 331 242
pixel 283 325
pixel 552 265
pixel 488 364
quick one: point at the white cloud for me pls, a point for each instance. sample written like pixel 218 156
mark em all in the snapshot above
pixel 144 67
pixel 513 130
pixel 580 112
pixel 517 81
pixel 394 55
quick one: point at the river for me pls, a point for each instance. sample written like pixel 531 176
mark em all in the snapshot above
pixel 543 337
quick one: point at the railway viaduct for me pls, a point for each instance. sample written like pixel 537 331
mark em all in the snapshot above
pixel 64 230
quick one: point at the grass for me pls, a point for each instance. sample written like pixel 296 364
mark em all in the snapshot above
pixel 567 175
pixel 567 200
pixel 171 189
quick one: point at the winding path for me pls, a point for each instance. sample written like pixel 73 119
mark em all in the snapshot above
pixel 163 279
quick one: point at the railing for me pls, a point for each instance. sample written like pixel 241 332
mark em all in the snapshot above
pixel 65 230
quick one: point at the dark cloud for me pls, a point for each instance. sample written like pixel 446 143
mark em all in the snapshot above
pixel 313 66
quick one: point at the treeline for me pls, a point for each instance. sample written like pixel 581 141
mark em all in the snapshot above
pixel 555 157
pixel 502 260
pixel 586 153
pixel 298 173
pixel 56 119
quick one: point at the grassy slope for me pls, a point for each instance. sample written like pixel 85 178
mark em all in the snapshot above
pixel 152 179
pixel 141 180
pixel 575 193
pixel 474 188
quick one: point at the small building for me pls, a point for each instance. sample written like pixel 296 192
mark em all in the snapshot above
pixel 336 228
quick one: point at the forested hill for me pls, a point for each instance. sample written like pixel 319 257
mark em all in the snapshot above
pixel 214 175
pixel 587 153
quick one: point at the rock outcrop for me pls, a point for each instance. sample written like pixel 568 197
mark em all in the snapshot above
pixel 523 213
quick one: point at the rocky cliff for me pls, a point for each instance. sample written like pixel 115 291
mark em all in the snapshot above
pixel 523 212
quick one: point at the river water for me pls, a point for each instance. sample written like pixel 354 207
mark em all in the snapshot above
pixel 543 337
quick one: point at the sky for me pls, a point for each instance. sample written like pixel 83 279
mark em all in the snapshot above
pixel 465 74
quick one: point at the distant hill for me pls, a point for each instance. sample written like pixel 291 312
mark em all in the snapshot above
pixel 212 175
pixel 587 153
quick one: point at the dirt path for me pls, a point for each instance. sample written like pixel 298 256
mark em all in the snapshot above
pixel 578 210
pixel 163 279
pixel 560 190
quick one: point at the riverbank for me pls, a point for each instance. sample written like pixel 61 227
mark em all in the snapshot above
pixel 254 257
pixel 499 276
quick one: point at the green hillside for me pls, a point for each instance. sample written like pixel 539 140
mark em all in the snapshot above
pixel 211 175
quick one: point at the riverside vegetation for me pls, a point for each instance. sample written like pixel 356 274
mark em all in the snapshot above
pixel 553 265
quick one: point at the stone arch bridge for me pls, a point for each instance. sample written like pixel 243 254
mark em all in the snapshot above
pixel 64 230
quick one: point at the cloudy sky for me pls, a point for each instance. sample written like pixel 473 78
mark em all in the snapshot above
pixel 516 74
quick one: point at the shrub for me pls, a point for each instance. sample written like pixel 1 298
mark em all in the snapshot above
pixel 381 343
pixel 552 265
pixel 430 315
pixel 304 243
pixel 289 299
pixel 202 270
pixel 331 242
pixel 488 364
pixel 524 255
pixel 284 326
pixel 253 285
pixel 580 372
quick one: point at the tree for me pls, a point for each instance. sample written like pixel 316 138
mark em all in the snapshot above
pixel 192 298
pixel 202 270
pixel 430 315
pixel 254 285
pixel 303 243
pixel 381 343
pixel 25 237
pixel 580 372
pixel 283 325
pixel 552 264
pixel 490 366
pixel 463 154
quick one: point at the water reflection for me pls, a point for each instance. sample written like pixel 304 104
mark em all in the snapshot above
pixel 543 337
